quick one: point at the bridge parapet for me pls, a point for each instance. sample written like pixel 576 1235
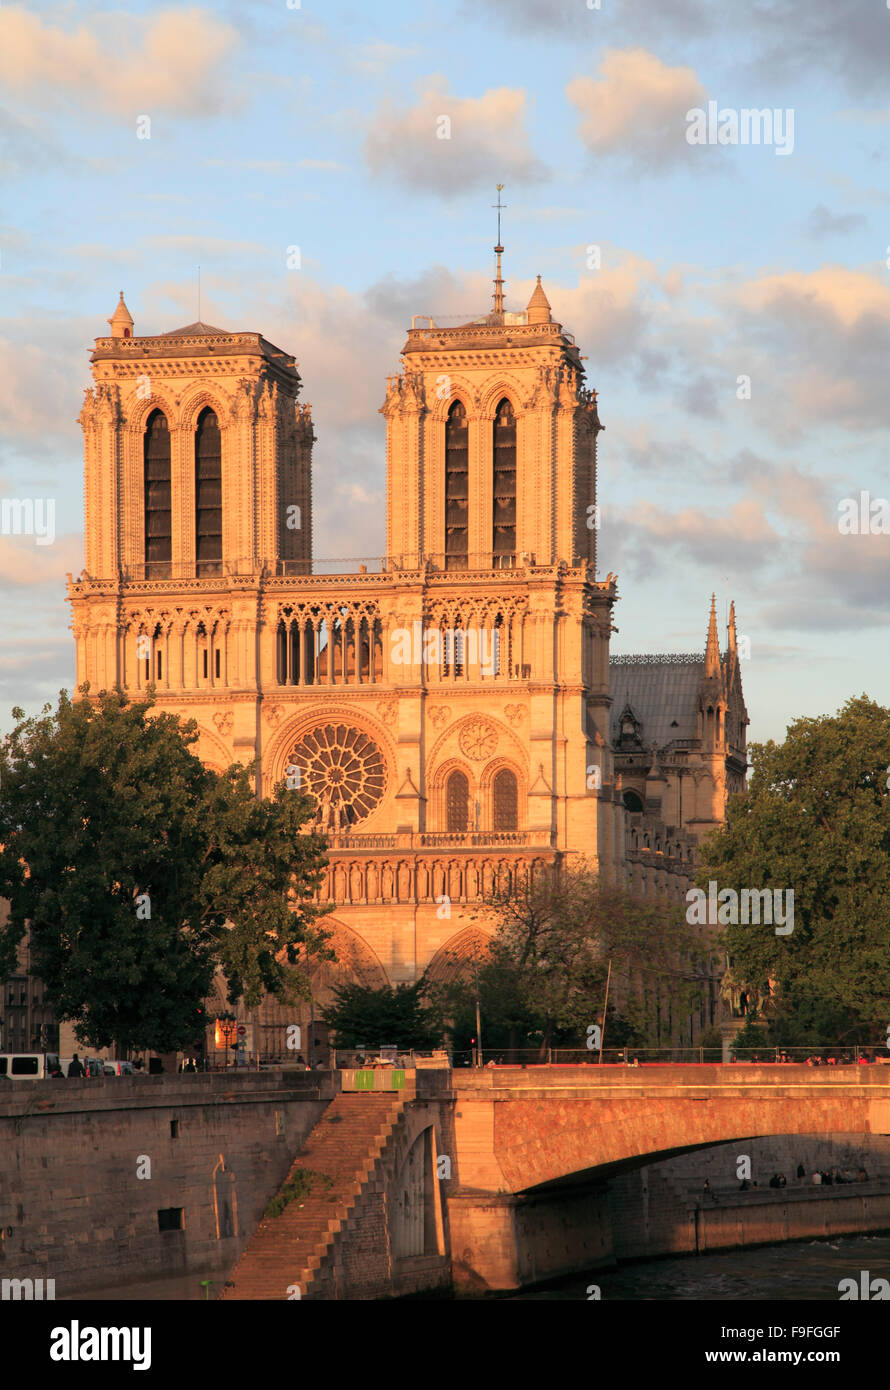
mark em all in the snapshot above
pixel 712 1078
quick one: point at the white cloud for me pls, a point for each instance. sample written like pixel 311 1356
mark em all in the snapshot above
pixel 446 144
pixel 820 341
pixel 26 565
pixel 40 365
pixel 636 107
pixel 129 64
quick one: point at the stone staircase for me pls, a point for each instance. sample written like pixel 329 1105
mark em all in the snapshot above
pixel 346 1146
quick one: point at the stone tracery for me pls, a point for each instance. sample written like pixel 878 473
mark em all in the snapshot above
pixel 344 770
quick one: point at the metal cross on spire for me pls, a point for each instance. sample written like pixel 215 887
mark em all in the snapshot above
pixel 501 207
pixel 498 283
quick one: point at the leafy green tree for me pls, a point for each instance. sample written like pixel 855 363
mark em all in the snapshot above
pixel 749 1039
pixel 139 872
pixel 365 1017
pixel 815 820
pixel 816 1021
pixel 544 973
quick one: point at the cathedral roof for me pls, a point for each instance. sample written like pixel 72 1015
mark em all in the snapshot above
pixel 196 330
pixel 662 692
pixel 196 340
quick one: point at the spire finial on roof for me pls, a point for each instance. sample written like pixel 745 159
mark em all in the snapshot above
pixel 538 310
pixel 498 308
pixel 712 651
pixel 121 320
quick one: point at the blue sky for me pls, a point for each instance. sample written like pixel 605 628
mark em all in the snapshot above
pixel 315 127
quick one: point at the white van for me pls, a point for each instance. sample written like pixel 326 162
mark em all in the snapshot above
pixel 23 1066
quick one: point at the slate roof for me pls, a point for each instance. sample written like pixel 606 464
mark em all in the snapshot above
pixel 659 690
pixel 196 330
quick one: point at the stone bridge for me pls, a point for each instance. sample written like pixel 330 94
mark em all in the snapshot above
pixel 533 1147
pixel 491 1178
pixel 517 1129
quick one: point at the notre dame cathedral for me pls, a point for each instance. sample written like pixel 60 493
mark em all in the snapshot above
pixel 453 710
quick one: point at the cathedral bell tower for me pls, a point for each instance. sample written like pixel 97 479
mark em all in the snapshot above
pixel 197 484
pixel 491 444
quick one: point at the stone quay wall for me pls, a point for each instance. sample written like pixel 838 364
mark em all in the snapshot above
pixel 661 1209
pixel 73 1206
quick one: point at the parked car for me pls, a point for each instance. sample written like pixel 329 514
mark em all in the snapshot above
pixel 114 1068
pixel 23 1066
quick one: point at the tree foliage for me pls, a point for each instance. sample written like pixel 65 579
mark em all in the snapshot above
pixel 816 820
pixel 544 973
pixel 399 1016
pixel 750 1038
pixel 139 872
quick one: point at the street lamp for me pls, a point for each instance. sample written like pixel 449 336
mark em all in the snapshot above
pixel 227 1025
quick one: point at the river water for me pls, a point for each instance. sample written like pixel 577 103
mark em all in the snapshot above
pixel 801 1270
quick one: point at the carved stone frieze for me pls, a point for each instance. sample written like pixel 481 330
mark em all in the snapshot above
pixel 224 721
pixel 388 711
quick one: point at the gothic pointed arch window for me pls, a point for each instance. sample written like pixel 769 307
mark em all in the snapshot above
pixel 505 798
pixel 158 530
pixel 457 802
pixel 503 542
pixel 208 494
pixel 456 487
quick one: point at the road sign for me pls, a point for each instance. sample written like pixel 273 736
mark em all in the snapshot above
pixel 242 1031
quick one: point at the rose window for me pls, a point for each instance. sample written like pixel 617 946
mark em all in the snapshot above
pixel 343 770
pixel 478 739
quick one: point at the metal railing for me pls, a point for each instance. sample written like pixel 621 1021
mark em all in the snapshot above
pixel 408 1059
pixel 859 1055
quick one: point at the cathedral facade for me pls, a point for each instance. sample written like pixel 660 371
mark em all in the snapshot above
pixel 453 711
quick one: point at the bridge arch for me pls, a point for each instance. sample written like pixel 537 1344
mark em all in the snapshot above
pixel 577 1124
